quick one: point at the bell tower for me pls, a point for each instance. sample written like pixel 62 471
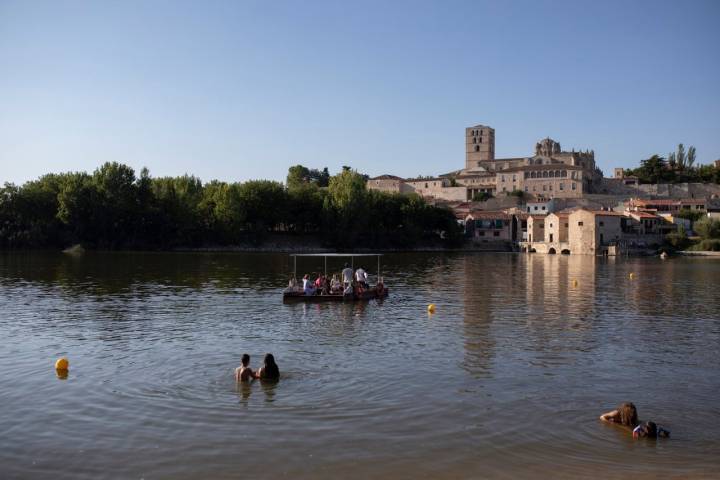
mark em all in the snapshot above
pixel 479 145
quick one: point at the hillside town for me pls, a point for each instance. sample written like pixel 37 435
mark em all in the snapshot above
pixel 556 201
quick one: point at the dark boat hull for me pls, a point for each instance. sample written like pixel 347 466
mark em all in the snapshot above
pixel 368 294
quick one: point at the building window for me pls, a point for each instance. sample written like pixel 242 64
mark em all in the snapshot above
pixel 602 224
pixel 426 185
pixel 496 234
pixel 564 173
pixel 514 178
pixel 477 148
pixel 536 207
pixel 504 189
pixel 566 225
pixel 550 186
pixel 544 188
pixel 474 140
pixel 562 186
pixel 481 234
pixel 551 225
pixel 502 178
pixel 580 224
pixel 543 208
pixel 480 140
pixel 534 188
pixel 541 225
pixel 528 209
pixel 545 174
pixel 526 188
pixel 574 187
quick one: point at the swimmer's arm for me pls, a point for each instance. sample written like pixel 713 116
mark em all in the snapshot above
pixel 609 416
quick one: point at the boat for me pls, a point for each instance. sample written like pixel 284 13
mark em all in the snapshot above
pixel 353 292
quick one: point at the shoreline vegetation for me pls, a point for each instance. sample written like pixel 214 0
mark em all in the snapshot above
pixel 113 209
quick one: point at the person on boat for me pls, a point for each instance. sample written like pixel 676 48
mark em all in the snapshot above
pixel 244 373
pixel 319 281
pixel 335 286
pixel 270 370
pixel 347 275
pixel 626 416
pixel 361 277
pixel 308 287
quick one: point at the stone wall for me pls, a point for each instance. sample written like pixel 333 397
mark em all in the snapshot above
pixel 614 186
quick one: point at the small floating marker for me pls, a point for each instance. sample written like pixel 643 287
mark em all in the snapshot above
pixel 431 308
pixel 632 275
pixel 574 283
pixel 62 365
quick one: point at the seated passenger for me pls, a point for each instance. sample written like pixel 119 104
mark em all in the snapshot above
pixel 335 286
pixel 270 370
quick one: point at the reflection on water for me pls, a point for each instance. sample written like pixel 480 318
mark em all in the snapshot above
pixel 505 380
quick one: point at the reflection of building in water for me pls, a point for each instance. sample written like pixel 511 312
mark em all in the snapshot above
pixel 485 282
pixel 560 289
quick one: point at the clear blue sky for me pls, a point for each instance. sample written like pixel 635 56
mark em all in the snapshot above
pixel 240 90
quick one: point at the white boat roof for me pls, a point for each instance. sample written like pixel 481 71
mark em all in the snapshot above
pixel 336 254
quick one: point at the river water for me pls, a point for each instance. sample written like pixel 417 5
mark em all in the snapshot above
pixel 505 380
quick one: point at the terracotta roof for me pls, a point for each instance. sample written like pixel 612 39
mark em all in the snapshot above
pixel 606 213
pixel 667 201
pixel 488 215
pixel 642 215
pixel 386 177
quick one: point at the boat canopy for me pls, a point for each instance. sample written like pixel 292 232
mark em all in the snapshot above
pixel 326 255
pixel 336 255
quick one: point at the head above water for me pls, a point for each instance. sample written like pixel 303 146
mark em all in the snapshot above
pixel 245 359
pixel 347 265
pixel 628 414
pixel 646 430
pixel 271 370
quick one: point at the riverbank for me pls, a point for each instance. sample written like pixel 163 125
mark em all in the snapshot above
pixel 699 253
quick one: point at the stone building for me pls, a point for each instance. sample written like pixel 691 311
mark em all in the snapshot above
pixel 594 232
pixel 549 173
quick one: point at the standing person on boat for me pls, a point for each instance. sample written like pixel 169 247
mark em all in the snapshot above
pixel 270 370
pixel 308 285
pixel 362 277
pixel 347 275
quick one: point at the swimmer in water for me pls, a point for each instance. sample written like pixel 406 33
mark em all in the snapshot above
pixel 270 370
pixel 626 416
pixel 244 373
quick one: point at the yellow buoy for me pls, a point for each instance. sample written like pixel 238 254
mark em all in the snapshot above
pixel 62 364
pixel 431 308
pixel 632 275
pixel 575 283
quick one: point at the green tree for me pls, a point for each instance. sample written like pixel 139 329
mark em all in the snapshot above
pixel 297 176
pixel 707 228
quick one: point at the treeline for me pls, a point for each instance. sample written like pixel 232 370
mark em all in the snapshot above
pixel 677 167
pixel 113 208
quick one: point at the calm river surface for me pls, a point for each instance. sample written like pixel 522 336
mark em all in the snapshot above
pixel 506 380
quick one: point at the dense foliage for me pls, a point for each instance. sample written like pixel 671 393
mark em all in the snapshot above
pixel 113 208
pixel 679 167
